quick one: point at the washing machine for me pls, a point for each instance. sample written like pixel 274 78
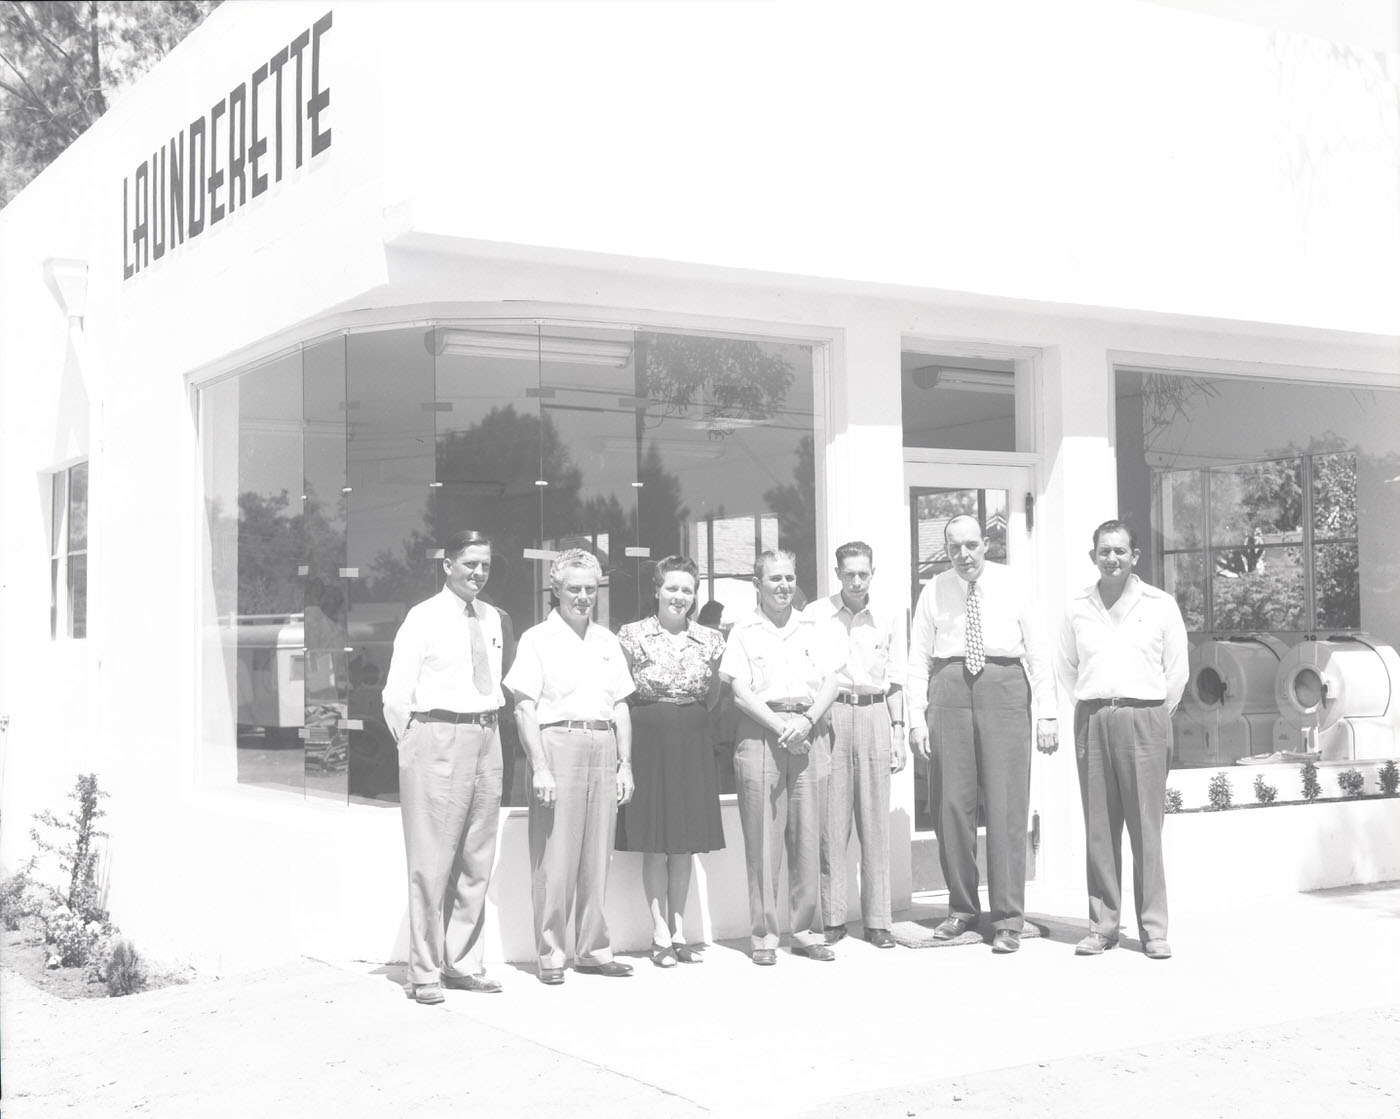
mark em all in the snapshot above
pixel 1339 695
pixel 1228 709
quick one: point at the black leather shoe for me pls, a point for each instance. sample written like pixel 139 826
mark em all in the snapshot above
pixel 1006 940
pixel 551 976
pixel 613 969
pixel 814 952
pixel 478 983
pixel 951 929
pixel 765 957
pixel 881 938
pixel 835 934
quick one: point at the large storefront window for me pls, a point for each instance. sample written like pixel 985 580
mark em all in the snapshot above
pixel 332 473
pixel 1271 510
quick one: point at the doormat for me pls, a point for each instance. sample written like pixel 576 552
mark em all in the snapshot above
pixel 919 934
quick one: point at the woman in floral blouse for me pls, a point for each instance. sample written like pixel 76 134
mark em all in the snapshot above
pixel 674 812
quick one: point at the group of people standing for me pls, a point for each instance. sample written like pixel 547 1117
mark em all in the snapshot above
pixel 617 733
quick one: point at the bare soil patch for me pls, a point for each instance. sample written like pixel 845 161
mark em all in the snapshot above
pixel 27 955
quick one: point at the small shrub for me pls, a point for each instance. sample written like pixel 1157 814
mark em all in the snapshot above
pixel 17 893
pixel 1219 793
pixel 78 855
pixel 1351 783
pixel 1173 800
pixel 73 939
pixel 122 968
pixel 1311 788
pixel 1390 778
pixel 1264 793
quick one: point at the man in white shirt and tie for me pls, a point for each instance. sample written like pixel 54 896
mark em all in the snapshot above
pixel 1122 655
pixel 977 668
pixel 441 701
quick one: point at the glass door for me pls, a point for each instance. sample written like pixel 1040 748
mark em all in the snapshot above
pixel 935 493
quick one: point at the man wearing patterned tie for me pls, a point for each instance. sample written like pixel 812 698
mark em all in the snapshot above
pixel 977 667
pixel 441 701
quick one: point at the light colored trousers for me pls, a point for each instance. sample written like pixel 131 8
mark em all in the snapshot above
pixel 781 796
pixel 859 785
pixel 1122 754
pixel 571 845
pixel 450 793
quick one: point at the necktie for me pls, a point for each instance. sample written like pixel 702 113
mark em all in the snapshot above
pixel 481 667
pixel 976 656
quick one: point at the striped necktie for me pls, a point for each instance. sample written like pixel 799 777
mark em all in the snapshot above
pixel 976 655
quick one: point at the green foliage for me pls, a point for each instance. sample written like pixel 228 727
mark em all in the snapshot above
pixel 1173 803
pixel 60 63
pixel 17 896
pixel 121 968
pixel 1218 793
pixel 1264 793
pixel 77 856
pixel 1390 778
pixel 1352 783
pixel 1311 787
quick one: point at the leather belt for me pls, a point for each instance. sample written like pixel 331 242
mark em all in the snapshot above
pixel 1122 701
pixel 860 700
pixel 988 660
pixel 789 708
pixel 579 724
pixel 437 715
pixel 679 701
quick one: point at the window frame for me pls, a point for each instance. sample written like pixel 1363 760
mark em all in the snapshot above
pixel 63 619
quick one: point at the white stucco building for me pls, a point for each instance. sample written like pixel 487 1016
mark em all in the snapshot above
pixel 336 278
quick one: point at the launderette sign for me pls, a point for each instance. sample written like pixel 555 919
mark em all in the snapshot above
pixel 230 155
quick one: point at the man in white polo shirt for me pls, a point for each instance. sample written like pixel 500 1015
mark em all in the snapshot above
pixel 867 744
pixel 440 702
pixel 1122 655
pixel 782 668
pixel 571 683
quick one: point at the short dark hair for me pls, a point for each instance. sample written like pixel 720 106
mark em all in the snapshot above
pixel 665 566
pixel 1116 525
pixel 761 563
pixel 459 542
pixel 852 549
pixel 981 528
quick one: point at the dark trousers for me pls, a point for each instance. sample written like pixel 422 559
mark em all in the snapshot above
pixel 980 740
pixel 1122 754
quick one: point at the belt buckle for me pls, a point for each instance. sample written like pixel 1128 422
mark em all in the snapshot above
pixel 1115 701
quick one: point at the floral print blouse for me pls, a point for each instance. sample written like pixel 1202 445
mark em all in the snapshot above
pixel 662 666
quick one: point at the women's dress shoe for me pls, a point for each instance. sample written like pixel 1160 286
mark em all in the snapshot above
pixel 765 957
pixel 613 969
pixel 688 955
pixel 881 938
pixel 551 976
pixel 663 955
pixel 1006 941
pixel 1095 944
pixel 814 952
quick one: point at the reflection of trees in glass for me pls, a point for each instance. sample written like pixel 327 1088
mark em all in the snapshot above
pixel 1334 496
pixel 729 378
pixel 795 506
pixel 1166 399
pixel 1271 598
pixel 1257 502
pixel 1337 586
pixel 1185 579
pixel 1181 497
pixel 272 544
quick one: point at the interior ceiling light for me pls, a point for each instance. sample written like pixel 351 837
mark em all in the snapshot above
pixel 549 348
pixel 1000 382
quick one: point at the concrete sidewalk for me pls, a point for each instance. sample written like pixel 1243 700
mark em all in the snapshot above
pixel 875 1033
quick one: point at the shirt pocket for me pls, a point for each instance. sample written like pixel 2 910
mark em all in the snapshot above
pixel 760 672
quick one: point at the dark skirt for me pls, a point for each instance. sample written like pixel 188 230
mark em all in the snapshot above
pixel 675 809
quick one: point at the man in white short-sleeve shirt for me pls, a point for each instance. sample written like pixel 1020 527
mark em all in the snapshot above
pixel 570 681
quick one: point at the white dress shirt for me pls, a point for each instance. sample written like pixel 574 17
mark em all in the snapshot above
pixel 1009 629
pixel 1136 650
pixel 569 677
pixel 873 639
pixel 784 665
pixel 432 662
